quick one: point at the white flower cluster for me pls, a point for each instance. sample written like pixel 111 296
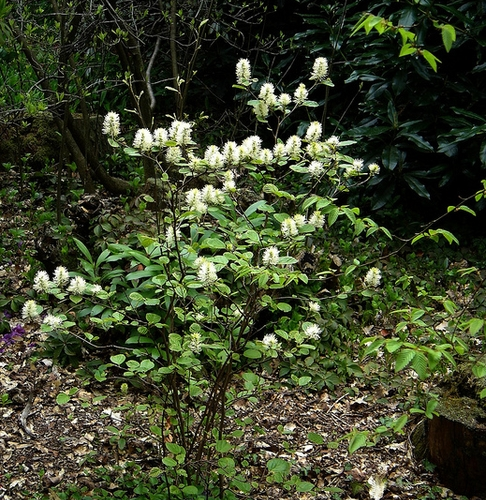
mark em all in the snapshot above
pixel 270 342
pixel 200 199
pixel 111 124
pixel 373 277
pixel 290 226
pixel 243 72
pixel 61 280
pixel 206 271
pixel 312 331
pixel 270 256
pixel 195 342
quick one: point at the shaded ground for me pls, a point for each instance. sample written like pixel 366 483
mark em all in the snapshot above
pixel 44 444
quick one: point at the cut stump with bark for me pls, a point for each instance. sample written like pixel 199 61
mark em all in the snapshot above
pixel 456 441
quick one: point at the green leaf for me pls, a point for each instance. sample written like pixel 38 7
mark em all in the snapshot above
pixel 152 318
pixel 190 490
pixel 357 441
pixel 84 250
pixel 252 354
pixel 118 359
pixel 315 438
pixel 63 398
pixel 403 359
pixel 304 486
pixel 448 36
pixel 170 462
pixel 278 465
pixel 223 446
pixel 475 325
pixel 284 307
pixel 304 380
pixel 258 205
pixel 213 243
pixel 430 58
pixel 419 364
pixel 479 370
pixel 400 423
pixel 175 448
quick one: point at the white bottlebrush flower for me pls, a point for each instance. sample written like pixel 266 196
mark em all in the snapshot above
pixel 289 228
pixel 293 145
pixel 261 110
pixel 301 93
pixel 206 273
pixel 214 157
pixel 195 344
pixel 313 132
pixel 30 310
pixel 284 100
pixel 374 169
pixel 193 198
pixel 312 331
pixel 171 237
pixel 358 164
pixel 180 132
pixel 143 139
pixel 333 141
pixel 229 184
pixel 300 220
pixel 315 169
pixel 266 156
pixel 61 276
pixel 42 282
pixel 161 136
pixel 173 154
pixel 231 153
pixel 77 285
pixel 317 219
pixel 211 195
pixel 314 307
pixel 270 256
pixel 52 321
pixel 267 94
pixel 251 146
pixel 279 150
pixel 320 69
pixel 316 149
pixel 111 124
pixel 243 72
pixel 95 289
pixel 270 342
pixel 373 277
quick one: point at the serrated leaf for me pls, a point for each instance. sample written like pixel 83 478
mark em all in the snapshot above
pixel 419 364
pixel 448 36
pixel 403 359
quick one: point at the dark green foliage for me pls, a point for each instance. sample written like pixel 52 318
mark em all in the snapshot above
pixel 426 128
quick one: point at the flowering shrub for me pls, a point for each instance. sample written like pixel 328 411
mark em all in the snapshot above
pixel 233 278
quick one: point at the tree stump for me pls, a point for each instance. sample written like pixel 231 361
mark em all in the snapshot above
pixel 456 442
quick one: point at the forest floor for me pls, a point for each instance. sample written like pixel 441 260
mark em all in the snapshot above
pixel 46 445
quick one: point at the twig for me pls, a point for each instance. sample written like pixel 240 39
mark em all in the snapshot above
pixel 25 414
